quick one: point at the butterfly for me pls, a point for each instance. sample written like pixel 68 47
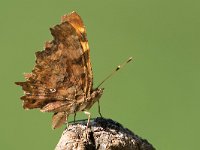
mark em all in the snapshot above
pixel 62 80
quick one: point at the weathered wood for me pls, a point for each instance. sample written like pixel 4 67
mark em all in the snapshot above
pixel 102 134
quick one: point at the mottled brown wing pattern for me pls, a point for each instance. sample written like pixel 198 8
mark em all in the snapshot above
pixel 62 71
pixel 76 21
pixel 61 81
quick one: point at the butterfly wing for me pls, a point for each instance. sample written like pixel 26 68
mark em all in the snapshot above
pixel 75 20
pixel 63 70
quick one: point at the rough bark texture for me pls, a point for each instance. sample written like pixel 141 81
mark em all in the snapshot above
pixel 102 134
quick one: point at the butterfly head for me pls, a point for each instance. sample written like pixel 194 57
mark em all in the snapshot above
pixel 96 94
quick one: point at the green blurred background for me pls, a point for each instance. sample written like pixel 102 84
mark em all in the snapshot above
pixel 156 96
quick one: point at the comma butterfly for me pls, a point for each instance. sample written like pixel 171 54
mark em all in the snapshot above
pixel 62 81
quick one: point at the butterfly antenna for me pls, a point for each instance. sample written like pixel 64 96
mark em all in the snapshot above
pixel 114 71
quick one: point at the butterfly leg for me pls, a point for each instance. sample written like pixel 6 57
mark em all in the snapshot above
pixel 99 110
pixel 88 114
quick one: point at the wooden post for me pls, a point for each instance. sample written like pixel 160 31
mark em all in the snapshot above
pixel 102 134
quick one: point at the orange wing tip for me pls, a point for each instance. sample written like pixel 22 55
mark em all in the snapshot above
pixel 65 17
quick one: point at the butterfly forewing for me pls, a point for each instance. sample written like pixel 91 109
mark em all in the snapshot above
pixel 62 73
